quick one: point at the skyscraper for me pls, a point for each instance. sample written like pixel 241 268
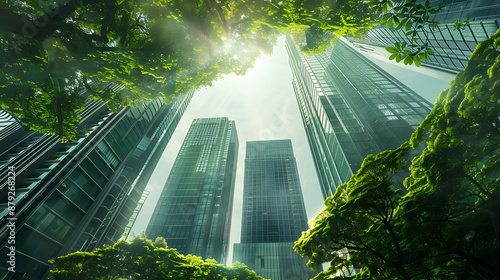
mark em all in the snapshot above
pixel 194 211
pixel 274 215
pixel 80 195
pixel 452 47
pixel 350 108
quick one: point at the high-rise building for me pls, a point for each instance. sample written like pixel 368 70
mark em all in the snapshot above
pixel 194 211
pixel 350 108
pixel 79 195
pixel 274 215
pixel 452 47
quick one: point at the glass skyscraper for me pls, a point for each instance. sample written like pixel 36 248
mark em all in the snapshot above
pixel 274 215
pixel 350 108
pixel 194 211
pixel 79 195
pixel 452 48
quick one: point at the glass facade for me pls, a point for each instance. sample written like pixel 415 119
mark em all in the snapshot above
pixel 5 119
pixel 80 195
pixel 194 211
pixel 480 10
pixel 350 108
pixel 276 261
pixel 137 210
pixel 452 48
pixel 274 215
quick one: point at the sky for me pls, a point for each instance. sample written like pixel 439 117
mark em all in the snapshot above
pixel 262 104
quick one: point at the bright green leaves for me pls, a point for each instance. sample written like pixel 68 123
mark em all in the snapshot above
pixel 347 18
pixel 460 162
pixel 409 18
pixel 409 53
pixel 143 259
pixel 392 50
pixel 381 6
pixel 462 25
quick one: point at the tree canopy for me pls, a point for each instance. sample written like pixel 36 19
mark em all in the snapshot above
pixel 51 50
pixel 143 259
pixel 444 223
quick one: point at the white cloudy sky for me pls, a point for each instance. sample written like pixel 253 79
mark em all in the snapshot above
pixel 262 103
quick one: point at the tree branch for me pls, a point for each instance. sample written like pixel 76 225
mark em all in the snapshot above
pixel 478 186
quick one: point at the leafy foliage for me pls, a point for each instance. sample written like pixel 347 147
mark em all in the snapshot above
pixel 51 50
pixel 143 259
pixel 409 17
pixel 462 25
pixel 446 223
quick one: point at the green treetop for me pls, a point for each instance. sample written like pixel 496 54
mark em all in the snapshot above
pixel 143 259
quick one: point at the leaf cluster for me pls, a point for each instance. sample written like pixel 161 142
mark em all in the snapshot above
pixel 411 18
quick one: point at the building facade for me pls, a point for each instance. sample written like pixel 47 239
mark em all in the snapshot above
pixel 452 47
pixel 274 215
pixel 5 119
pixel 194 211
pixel 80 195
pixel 350 108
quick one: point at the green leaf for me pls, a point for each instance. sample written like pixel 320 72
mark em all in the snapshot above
pixel 393 56
pixel 408 60
pixel 389 22
pixel 392 49
pixel 429 51
pixel 399 58
pixel 402 23
pixel 417 61
pixel 385 18
pixel 408 25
